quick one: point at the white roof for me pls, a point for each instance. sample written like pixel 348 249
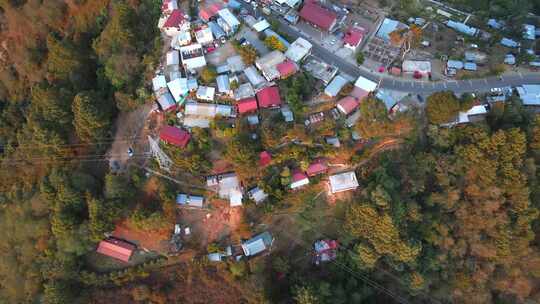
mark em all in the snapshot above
pixel 207 109
pixel 245 90
pixel 178 88
pixel 166 101
pixel 159 82
pixel 300 183
pixel 183 38
pixel 192 121
pixel 173 57
pixel 298 49
pixel 343 182
pixel 261 25
pixel 204 35
pixel 287 114
pixel 235 63
pixel 253 248
pixel 192 56
pixel 223 83
pixel 410 66
pixel 257 195
pixel 292 3
pixel 365 84
pixel 253 76
pixel 529 94
pixel 333 88
pixel 477 110
pixel 206 93
pixel 228 17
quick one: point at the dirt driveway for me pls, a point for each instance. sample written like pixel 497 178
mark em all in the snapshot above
pixel 129 133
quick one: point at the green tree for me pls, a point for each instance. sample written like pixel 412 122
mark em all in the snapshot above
pixel 208 75
pixel 360 58
pixel 92 116
pixel 305 295
pixel 273 43
pixel 442 107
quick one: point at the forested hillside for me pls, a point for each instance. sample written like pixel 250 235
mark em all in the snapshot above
pixel 67 68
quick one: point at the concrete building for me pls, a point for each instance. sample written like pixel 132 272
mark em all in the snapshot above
pixel 343 182
pixel 298 50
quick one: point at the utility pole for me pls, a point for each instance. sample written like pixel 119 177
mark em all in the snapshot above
pixel 163 160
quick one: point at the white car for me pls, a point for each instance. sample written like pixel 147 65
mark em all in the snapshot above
pixel 247 1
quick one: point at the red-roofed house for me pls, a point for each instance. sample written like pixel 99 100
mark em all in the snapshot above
pixel 353 37
pixel 317 167
pixel 174 136
pixel 176 23
pixel 168 6
pixel 247 105
pixel 299 179
pixel 265 158
pixel 269 97
pixel 115 248
pixel 318 16
pixel 287 68
pixel 347 105
pixel 209 12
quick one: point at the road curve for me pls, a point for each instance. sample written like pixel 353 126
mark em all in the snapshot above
pixel 458 86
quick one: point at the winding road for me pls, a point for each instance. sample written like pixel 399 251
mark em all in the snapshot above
pixel 415 86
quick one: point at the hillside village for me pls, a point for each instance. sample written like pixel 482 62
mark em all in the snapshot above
pixel 233 77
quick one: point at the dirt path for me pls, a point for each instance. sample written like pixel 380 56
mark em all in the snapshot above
pixel 129 133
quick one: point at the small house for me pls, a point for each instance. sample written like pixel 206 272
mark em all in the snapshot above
pixel 298 50
pixel 343 182
pixel 183 199
pixel 317 167
pixel 299 179
pixel 176 22
pixel 269 97
pixel 267 64
pixel 179 89
pixel 174 136
pixel 244 90
pixel 172 58
pixel 347 105
pixel 192 56
pixel 253 76
pixel 333 141
pixel 353 38
pixel 470 66
pixel 462 28
pixel 257 195
pixel 223 84
pixel 236 64
pixel 227 21
pixel 217 31
pixel 287 68
pixel 365 86
pixel 335 86
pixel 116 249
pixel 287 114
pixel 509 43
pixel 318 16
pixel 206 93
pixel 159 82
pixel 257 244
pixel 166 101
pixel 247 105
pixel 204 36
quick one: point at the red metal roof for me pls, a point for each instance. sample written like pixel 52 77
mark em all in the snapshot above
pixel 348 104
pixel 359 93
pixel 174 136
pixel 298 176
pixel 353 36
pixel 317 167
pixel 116 248
pixel 269 97
pixel 317 15
pixel 247 105
pixel 265 158
pixel 287 68
pixel 175 19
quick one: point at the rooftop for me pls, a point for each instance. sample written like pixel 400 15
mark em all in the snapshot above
pixel 117 249
pixel 317 15
pixel 269 97
pixel 299 49
pixel 343 182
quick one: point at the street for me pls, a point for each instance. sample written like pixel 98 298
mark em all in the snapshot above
pixel 458 86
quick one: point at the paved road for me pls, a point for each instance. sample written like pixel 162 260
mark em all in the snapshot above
pixel 458 86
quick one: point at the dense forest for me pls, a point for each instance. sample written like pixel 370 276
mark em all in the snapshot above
pixel 452 216
pixel 67 68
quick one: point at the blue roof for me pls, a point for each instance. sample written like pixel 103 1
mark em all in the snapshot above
pixel 454 64
pixel 217 31
pixel 234 4
pixel 470 66
pixel 509 43
pixel 529 31
pixel 387 26
pixel 388 100
pixel 462 28
pixel 495 24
